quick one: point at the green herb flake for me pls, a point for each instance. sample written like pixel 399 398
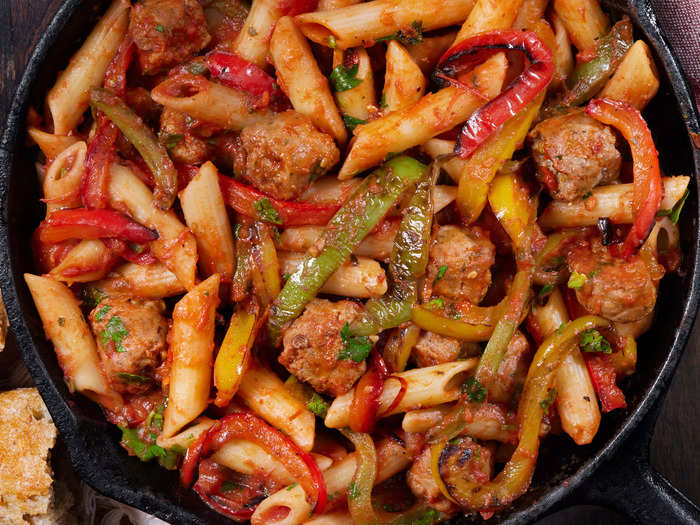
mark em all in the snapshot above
pixel 196 68
pixel 91 297
pixel 439 302
pixel 134 379
pixel 409 36
pixel 356 348
pixel 102 312
pixel 266 211
pixel 593 341
pixel 286 276
pixel 173 140
pixel 331 42
pixel 560 329
pixel 545 291
pixel 344 78
pixel 474 389
pixel 382 102
pixel 353 490
pixel 587 195
pixel 576 280
pixel 547 401
pixel 441 273
pixel 116 332
pixel 290 487
pixel 231 486
pixel 351 122
pixel 555 264
pixel 160 28
pixel 317 405
pixel 428 518
pixel 674 213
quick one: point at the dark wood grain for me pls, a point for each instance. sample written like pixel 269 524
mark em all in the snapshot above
pixel 675 443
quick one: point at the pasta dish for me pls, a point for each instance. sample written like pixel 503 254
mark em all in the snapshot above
pixel 343 262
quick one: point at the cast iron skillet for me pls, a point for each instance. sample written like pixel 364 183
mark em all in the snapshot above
pixel 603 472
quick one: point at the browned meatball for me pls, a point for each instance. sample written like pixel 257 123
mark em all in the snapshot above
pixel 420 480
pixel 166 32
pixel 618 290
pixel 512 370
pixel 181 144
pixel 463 258
pixel 434 349
pixel 574 153
pixel 284 154
pixel 312 345
pixel 131 338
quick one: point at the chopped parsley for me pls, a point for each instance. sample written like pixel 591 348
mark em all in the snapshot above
pixel 116 332
pixel 290 487
pixel 134 379
pixel 675 212
pixel 356 348
pixel 441 273
pixel 547 401
pixel 474 389
pixel 593 341
pixel 155 417
pixel 92 296
pixel 331 42
pixel 160 28
pixel 410 35
pixel 351 122
pixel 555 264
pixel 428 518
pixel 173 140
pixel 196 68
pixel 382 102
pixel 576 280
pixel 439 302
pixel 545 291
pixel 560 329
pixel 266 211
pixel 344 78
pixel 231 486
pixel 353 490
pixel 317 405
pixel 286 276
pixel 147 451
pixel 102 312
pixel 587 195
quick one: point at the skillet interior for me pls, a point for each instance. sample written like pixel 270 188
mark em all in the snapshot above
pixel 93 444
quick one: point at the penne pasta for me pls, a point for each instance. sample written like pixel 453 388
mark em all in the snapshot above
pixel 363 24
pixel 489 422
pixel 247 457
pixel 327 5
pixel 613 201
pixel 435 113
pixel 427 53
pixel 291 501
pixel 356 102
pixel 89 261
pixel 530 11
pixel 404 83
pixel 206 216
pixel 584 21
pixel 188 435
pixel 209 101
pixel 266 395
pixel 489 15
pixel 563 57
pixel 72 339
pixel 150 281
pixel 252 42
pixel 301 79
pixel 64 178
pixel 363 278
pixel 329 190
pixel 51 145
pixel 436 147
pixel 425 387
pixel 636 80
pixel 176 246
pixel 69 97
pixel 192 348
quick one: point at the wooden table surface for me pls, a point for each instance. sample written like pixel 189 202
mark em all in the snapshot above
pixel 675 442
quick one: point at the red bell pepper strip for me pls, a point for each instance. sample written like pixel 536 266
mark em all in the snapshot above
pixel 137 255
pixel 100 154
pixel 80 223
pixel 244 425
pixel 603 375
pixel 243 199
pixel 365 401
pixel 472 51
pixel 115 77
pixel 237 73
pixel 648 189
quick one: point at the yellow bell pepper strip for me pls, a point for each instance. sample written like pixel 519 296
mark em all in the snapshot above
pixel 409 257
pixel 242 276
pixel 234 353
pixel 360 491
pixel 370 201
pixel 266 279
pixel 480 169
pixel 432 321
pixel 137 133
pixel 398 347
pixel 515 477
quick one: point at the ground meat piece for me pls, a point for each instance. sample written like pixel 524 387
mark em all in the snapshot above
pixel 464 258
pixel 616 289
pixel 574 153
pixel 312 344
pixel 284 154
pixel 512 370
pixel 131 339
pixel 182 145
pixel 419 479
pixel 167 32
pixel 434 349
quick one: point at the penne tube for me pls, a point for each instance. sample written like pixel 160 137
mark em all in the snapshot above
pixel 247 457
pixel 192 348
pixel 69 97
pixel 252 42
pixel 209 101
pixel 636 79
pixel 205 214
pixel 425 387
pixel 428 52
pixel 88 261
pixel 72 339
pixel 302 81
pixel 613 201
pixel 64 178
pixel 176 247
pixel 187 435
pixel 404 82
pixel 51 145
pixel 290 501
pixel 329 190
pixel 584 21
pixel 435 113
pixel 363 24
pixel 327 5
pixel 151 281
pixel 364 278
pixel 266 395
pixel 530 11
pixel 356 102
pixel 563 57
pixel 436 147
pixel 489 15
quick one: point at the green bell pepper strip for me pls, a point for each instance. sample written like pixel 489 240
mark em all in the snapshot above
pixel 137 133
pixel 409 258
pixel 368 204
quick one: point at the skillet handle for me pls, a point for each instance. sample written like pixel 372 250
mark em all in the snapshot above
pixel 629 484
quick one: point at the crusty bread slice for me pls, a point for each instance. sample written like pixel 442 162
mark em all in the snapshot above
pixel 27 434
